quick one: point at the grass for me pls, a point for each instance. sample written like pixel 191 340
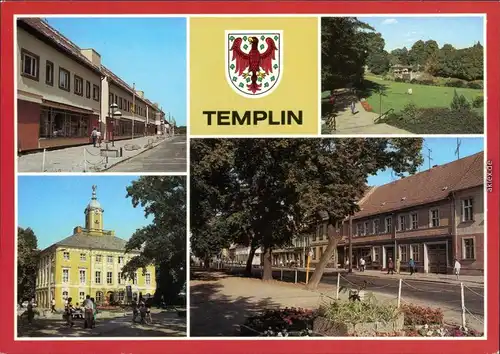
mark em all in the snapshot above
pixel 423 96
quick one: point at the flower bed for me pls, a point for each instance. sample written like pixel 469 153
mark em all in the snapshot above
pixel 287 322
pixel 366 106
pixel 420 315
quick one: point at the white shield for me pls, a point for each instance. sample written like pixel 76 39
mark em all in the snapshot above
pixel 253 67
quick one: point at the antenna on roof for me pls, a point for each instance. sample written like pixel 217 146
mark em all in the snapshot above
pixel 457 150
pixel 429 151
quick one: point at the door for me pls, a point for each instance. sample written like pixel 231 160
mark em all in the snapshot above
pixel 437 258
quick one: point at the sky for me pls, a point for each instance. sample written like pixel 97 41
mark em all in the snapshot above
pixel 150 52
pixel 399 32
pixel 442 152
pixel 53 206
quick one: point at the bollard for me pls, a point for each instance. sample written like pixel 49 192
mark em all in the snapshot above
pixel 295 276
pixel 281 274
pixel 121 152
pixel 463 305
pixel 84 160
pixel 338 285
pixel 399 292
pixel 43 160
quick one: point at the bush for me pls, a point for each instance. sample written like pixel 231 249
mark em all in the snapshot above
pixel 419 315
pixel 478 102
pixel 459 103
pixel 456 83
pixel 287 322
pixel 474 85
pixel 410 112
pixel 359 312
pixel 398 79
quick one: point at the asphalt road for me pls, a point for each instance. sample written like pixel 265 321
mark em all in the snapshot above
pixel 168 156
pixel 445 295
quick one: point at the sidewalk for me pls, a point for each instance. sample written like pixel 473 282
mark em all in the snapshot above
pixel 471 280
pixel 85 158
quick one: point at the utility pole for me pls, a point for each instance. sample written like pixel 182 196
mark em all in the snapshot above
pixel 429 151
pixel 457 150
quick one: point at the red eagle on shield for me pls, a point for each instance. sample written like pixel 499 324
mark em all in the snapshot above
pixel 254 61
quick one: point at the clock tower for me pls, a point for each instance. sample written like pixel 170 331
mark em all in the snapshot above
pixel 93 214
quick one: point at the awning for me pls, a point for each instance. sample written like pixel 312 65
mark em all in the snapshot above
pixel 67 107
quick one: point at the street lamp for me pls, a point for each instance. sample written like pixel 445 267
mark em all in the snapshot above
pixel 115 114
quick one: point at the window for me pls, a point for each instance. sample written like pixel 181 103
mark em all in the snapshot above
pixel 121 296
pixel 360 229
pixel 87 89
pixel 120 260
pixel 120 103
pixel 64 83
pixel 320 252
pixel 65 278
pixel 111 99
pixel 110 259
pixel 403 250
pixel 66 256
pixel 414 221
pixel 81 296
pixel 415 252
pixel 134 279
pixel 467 214
pixel 435 217
pixel 83 257
pixel 376 225
pixel 109 277
pixel 468 250
pixel 98 297
pixel 402 223
pixel 148 279
pixel 78 85
pixel 83 276
pixel 317 233
pixel 367 227
pixel 29 64
pixel 98 277
pixel 95 93
pixel 376 254
pixel 65 295
pixel 98 258
pixel 49 73
pixel 125 104
pixel 388 225
pixel 120 278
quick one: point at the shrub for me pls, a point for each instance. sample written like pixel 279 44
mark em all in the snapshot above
pixel 474 85
pixel 478 102
pixel 456 83
pixel 398 79
pixel 459 103
pixel 280 323
pixel 359 311
pixel 419 315
pixel 410 112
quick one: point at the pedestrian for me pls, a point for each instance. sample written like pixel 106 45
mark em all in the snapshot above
pixel 411 264
pixel 353 107
pixel 31 311
pixel 93 135
pixel 135 311
pixel 68 312
pixel 390 267
pixel 94 311
pixel 142 309
pixel 347 264
pixel 398 265
pixel 53 306
pixel 362 264
pixel 98 137
pixel 89 312
pixel 456 268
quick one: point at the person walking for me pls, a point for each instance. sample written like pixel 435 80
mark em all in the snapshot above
pixel 89 312
pixel 98 137
pixel 68 312
pixel 94 311
pixel 135 311
pixel 31 311
pixel 347 264
pixel 398 265
pixel 390 267
pixel 456 268
pixel 411 264
pixel 353 107
pixel 93 135
pixel 362 264
pixel 53 306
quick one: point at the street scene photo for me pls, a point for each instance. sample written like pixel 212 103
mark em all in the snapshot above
pixel 101 256
pixel 322 237
pixel 402 75
pixel 101 94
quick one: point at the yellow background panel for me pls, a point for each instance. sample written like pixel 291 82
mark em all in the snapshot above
pixel 297 90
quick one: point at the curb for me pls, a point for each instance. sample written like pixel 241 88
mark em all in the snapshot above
pixel 447 281
pixel 128 158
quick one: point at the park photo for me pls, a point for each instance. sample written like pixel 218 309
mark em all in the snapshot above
pixel 337 237
pixel 101 257
pixel 402 75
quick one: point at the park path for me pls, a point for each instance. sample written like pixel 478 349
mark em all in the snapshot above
pixel 225 301
pixel 362 123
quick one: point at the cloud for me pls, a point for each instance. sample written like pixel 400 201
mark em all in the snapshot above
pixel 389 21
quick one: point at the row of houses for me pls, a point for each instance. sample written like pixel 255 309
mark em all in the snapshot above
pixel 64 92
pixel 432 217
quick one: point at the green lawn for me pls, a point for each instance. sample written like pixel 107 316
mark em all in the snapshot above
pixel 423 96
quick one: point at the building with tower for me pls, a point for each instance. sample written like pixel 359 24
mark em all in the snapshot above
pixel 90 262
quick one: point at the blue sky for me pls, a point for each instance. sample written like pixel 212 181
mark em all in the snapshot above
pixel 53 206
pixel 150 52
pixel 442 151
pixel 399 32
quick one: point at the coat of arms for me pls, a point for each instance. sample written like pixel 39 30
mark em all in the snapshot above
pixel 254 61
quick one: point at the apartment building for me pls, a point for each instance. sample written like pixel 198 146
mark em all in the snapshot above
pixel 432 217
pixel 63 92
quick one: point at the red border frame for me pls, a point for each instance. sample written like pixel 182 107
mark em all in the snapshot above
pixel 8 345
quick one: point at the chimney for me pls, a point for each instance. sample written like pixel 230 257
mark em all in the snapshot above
pixel 140 94
pixel 92 56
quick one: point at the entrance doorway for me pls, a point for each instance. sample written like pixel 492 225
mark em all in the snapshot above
pixel 437 258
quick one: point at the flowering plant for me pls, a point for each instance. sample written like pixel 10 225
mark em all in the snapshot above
pixel 420 315
pixel 280 323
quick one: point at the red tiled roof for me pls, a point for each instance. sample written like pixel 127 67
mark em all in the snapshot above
pixel 425 187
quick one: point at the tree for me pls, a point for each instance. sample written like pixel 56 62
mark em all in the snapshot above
pixel 416 55
pixel 27 263
pixel 163 242
pixel 400 56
